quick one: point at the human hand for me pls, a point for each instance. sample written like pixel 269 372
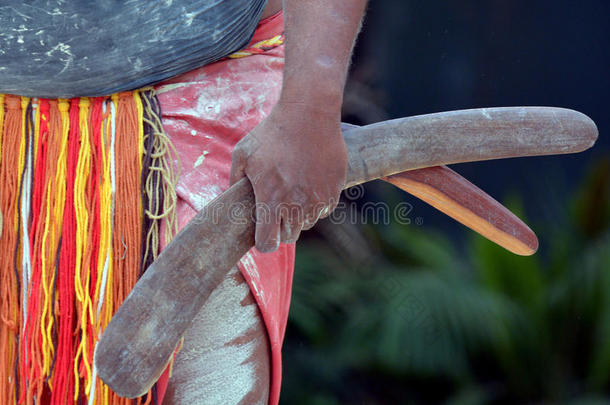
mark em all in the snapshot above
pixel 296 160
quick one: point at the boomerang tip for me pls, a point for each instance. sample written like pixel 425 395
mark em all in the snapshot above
pixel 526 245
pixel 583 128
pixel 452 194
pixel 119 362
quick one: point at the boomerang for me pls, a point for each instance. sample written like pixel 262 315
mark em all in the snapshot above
pixel 142 336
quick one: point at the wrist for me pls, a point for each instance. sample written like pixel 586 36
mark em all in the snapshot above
pixel 319 114
pixel 299 117
pixel 325 103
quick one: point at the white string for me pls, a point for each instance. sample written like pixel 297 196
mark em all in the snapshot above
pixel 93 384
pixel 26 199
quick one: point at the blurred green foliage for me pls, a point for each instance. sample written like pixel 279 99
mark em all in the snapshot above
pixel 415 321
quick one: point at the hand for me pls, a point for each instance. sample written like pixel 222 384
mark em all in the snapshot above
pixel 296 160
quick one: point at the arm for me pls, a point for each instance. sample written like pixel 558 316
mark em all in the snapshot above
pixel 296 159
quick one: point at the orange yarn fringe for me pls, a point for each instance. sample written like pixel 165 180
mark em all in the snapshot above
pixel 84 184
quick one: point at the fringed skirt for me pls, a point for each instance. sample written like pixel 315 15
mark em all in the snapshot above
pixel 84 184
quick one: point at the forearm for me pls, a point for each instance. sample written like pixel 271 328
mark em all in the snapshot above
pixel 319 40
pixel 297 157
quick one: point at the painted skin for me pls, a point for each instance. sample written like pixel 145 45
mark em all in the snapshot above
pixel 225 355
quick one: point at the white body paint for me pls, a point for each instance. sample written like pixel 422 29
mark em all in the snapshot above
pixel 217 363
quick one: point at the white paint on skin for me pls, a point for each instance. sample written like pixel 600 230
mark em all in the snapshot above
pixel 211 368
pixel 325 61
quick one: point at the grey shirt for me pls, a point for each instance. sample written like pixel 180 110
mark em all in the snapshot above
pixel 71 48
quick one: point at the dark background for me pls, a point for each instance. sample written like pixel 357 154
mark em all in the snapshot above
pixel 429 312
pixel 423 57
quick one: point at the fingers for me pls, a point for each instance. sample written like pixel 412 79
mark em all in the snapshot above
pixel 320 210
pixel 283 225
pixel 241 154
pixel 330 207
pixel 267 235
pixel 311 219
pixel 290 231
pixel 275 225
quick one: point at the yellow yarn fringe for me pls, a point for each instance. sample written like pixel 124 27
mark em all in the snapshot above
pixel 84 187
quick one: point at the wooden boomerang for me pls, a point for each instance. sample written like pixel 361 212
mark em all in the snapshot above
pixel 452 194
pixel 140 339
